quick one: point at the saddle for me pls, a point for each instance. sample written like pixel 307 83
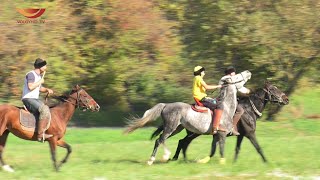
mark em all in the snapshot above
pixel 29 121
pixel 199 107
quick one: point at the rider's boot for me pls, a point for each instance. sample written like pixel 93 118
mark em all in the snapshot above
pixel 44 119
pixel 236 119
pixel 41 131
pixel 216 121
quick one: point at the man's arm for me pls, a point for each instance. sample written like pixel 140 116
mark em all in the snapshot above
pixel 244 90
pixel 31 82
pixel 43 89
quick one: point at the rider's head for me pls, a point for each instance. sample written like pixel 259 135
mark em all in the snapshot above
pixel 230 71
pixel 40 64
pixel 198 71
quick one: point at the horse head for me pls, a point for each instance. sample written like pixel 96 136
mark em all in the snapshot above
pixel 275 95
pixel 83 99
pixel 239 79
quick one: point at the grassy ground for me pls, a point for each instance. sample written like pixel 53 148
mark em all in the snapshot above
pixel 290 146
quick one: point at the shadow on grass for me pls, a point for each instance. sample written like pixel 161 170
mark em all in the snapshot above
pixel 131 161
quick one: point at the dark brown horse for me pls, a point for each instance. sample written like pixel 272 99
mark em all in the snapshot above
pixel 60 116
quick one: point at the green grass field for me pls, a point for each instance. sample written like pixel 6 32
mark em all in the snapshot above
pixel 290 146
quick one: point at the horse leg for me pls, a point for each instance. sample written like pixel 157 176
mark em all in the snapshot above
pixel 63 144
pixel 53 146
pixel 167 152
pixel 183 144
pixel 3 140
pixel 161 140
pixel 215 140
pixel 220 138
pixel 237 150
pixel 253 139
pixel 156 145
pixel 222 141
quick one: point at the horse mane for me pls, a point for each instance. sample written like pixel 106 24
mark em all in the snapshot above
pixel 255 92
pixel 60 99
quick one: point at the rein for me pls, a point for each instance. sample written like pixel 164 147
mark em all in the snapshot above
pixel 255 109
pixel 263 99
pixel 77 104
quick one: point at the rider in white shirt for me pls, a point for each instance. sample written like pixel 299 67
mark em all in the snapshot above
pixel 231 71
pixel 30 96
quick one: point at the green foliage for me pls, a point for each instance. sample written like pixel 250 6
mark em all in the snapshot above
pixel 131 54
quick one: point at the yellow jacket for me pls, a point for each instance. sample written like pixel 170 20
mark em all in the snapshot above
pixel 198 91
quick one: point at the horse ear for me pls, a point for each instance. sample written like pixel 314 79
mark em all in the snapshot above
pixel 76 88
pixel 267 82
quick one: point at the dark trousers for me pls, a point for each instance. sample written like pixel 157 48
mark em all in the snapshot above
pixel 211 103
pixel 32 105
pixel 239 110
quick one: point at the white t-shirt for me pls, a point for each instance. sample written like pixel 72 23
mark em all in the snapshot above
pixel 31 77
pixel 235 79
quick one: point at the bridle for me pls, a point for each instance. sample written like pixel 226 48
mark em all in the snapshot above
pixel 277 98
pixel 269 95
pixel 78 100
pixel 77 104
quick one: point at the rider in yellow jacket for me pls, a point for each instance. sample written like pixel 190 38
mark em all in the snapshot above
pixel 199 94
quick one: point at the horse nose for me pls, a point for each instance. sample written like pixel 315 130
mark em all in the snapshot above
pixel 285 99
pixel 97 107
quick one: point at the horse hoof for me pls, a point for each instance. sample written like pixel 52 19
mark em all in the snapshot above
pixel 173 159
pixel 204 160
pixel 165 157
pixel 222 161
pixel 7 168
pixel 149 162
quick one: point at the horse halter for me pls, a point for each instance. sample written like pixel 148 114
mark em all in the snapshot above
pixel 277 98
pixel 85 102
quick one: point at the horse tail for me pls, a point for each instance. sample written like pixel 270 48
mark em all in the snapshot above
pixel 157 132
pixel 150 115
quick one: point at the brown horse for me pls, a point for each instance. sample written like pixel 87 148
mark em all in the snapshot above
pixel 60 116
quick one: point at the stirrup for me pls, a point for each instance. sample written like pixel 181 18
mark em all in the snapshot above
pixel 214 131
pixel 44 137
pixel 234 132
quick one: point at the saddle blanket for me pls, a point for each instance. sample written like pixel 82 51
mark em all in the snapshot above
pixel 28 121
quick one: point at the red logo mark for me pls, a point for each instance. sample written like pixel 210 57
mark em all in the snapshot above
pixel 31 13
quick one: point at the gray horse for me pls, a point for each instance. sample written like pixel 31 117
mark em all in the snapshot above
pixel 253 106
pixel 177 116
